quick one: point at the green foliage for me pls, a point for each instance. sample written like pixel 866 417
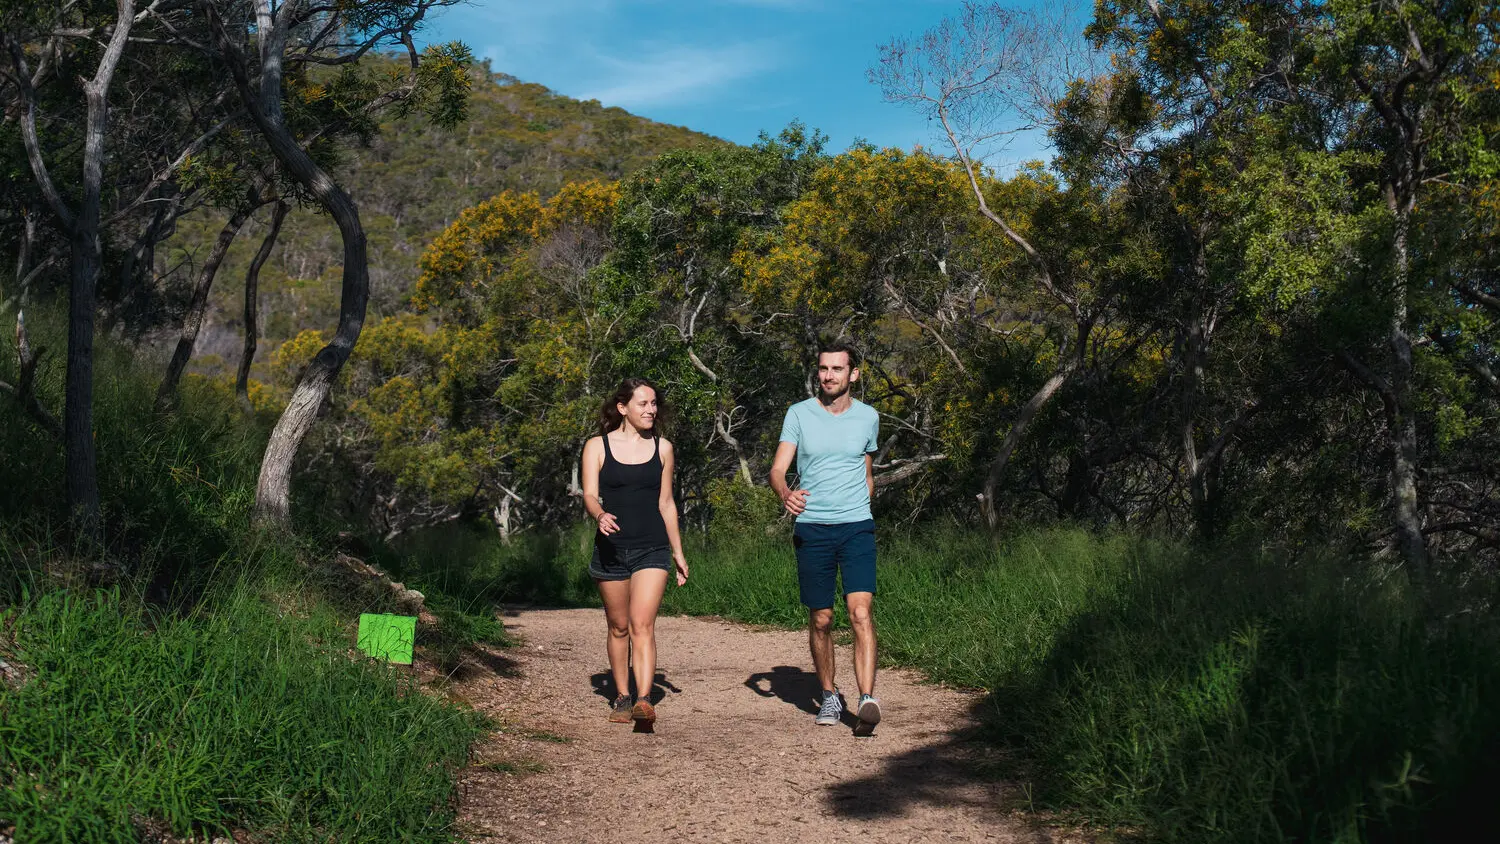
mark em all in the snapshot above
pixel 742 508
pixel 548 568
pixel 414 177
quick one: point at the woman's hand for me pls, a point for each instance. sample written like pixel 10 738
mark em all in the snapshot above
pixel 682 567
pixel 607 524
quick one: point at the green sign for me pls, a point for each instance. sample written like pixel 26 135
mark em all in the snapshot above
pixel 387 637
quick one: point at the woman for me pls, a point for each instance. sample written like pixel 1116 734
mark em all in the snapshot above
pixel 627 488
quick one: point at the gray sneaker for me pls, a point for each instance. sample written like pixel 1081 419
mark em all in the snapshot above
pixel 831 710
pixel 619 711
pixel 869 710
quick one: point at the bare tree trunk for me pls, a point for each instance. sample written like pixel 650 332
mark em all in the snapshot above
pixel 1404 452
pixel 987 503
pixel 252 309
pixel 501 515
pixel 723 425
pixel 192 321
pixel 23 255
pixel 1194 355
pixel 273 490
pixel 82 481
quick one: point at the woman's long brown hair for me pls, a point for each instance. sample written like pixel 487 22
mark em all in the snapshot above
pixel 610 417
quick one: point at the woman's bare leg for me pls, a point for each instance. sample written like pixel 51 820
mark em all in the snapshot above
pixel 646 588
pixel 616 596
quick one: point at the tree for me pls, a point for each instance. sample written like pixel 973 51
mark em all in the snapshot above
pixel 987 73
pixel 1421 68
pixel 81 222
pixel 681 223
pixel 289 38
pixel 252 302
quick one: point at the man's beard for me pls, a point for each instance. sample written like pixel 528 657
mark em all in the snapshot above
pixel 832 396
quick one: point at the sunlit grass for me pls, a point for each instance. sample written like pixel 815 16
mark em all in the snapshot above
pixel 232 716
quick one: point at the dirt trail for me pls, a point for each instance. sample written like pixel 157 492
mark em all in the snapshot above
pixel 735 757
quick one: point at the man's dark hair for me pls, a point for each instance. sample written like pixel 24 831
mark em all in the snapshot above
pixel 830 347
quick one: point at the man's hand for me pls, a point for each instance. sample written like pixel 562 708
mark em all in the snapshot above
pixel 682 567
pixel 795 501
pixel 607 524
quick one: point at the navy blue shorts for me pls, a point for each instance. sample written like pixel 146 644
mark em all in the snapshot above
pixel 826 551
pixel 611 563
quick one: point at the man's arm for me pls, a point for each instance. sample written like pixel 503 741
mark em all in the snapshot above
pixel 795 501
pixel 870 474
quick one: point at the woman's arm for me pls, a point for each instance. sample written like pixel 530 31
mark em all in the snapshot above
pixel 593 460
pixel 667 504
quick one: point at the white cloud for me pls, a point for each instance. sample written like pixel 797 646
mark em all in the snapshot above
pixel 679 74
pixel 629 53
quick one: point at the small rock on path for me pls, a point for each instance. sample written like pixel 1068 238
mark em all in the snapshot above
pixel 735 757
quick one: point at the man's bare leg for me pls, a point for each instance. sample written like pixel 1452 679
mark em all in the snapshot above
pixel 862 622
pixel 820 642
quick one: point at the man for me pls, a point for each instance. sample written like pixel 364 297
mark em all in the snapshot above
pixel 833 438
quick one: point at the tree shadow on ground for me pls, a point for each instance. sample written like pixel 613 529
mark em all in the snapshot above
pixel 952 768
pixel 793 686
pixel 486 660
pixel 604 686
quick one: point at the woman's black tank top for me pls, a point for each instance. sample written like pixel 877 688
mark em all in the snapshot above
pixel 632 492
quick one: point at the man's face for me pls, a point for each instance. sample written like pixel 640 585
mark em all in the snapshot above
pixel 834 374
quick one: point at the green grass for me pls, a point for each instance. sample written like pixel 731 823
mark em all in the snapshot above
pixel 195 675
pixel 1180 693
pixel 232 716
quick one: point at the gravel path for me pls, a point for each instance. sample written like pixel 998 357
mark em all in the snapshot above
pixel 735 756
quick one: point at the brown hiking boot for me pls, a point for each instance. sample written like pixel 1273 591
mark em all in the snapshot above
pixel 619 711
pixel 645 716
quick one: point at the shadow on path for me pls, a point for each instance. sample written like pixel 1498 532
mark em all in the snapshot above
pixel 498 664
pixel 795 686
pixel 604 686
pixel 952 771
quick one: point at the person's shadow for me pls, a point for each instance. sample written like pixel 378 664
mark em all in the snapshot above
pixel 794 686
pixel 604 686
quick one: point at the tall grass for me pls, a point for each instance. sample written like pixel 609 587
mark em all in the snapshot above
pixel 210 684
pixel 1186 694
pixel 1235 696
pixel 235 715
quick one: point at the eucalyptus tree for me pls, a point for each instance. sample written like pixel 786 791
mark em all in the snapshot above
pixel 1423 73
pixel 251 311
pixel 984 74
pixel 79 219
pixel 106 82
pixel 264 46
pixel 1198 98
pixel 681 224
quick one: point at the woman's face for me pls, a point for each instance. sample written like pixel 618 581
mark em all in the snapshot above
pixel 641 411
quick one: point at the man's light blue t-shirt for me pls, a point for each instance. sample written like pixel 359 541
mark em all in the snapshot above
pixel 831 459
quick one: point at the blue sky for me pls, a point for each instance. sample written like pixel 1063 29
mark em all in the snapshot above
pixel 730 68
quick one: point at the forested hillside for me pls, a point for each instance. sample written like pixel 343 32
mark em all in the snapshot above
pixel 410 181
